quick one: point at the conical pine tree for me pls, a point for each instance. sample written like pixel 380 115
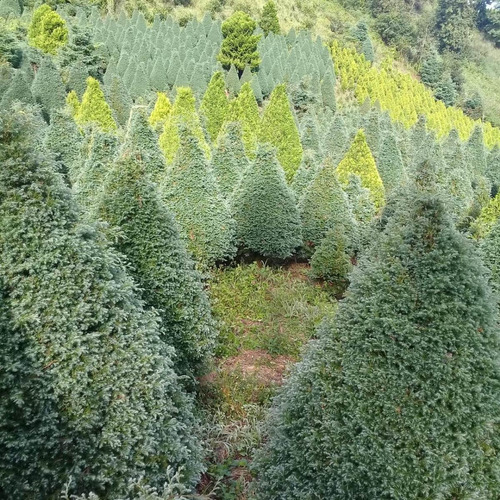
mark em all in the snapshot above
pixel 183 112
pixel 246 110
pixel 160 112
pixel 359 161
pixel 269 22
pixel 398 397
pixel 279 129
pixel 48 89
pixel 229 162
pixel 390 163
pixel 87 385
pixel 64 140
pixel 141 141
pixel 214 105
pixel 325 206
pixel 119 100
pixel 150 239
pixel 190 190
pixel 267 220
pixel 94 109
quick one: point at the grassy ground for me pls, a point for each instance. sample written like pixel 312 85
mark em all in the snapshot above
pixel 266 317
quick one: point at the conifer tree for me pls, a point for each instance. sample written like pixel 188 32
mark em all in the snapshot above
pixel 47 30
pixel 279 129
pixel 214 105
pixel 119 100
pixel 267 220
pixel 431 71
pixel 183 112
pixel 160 112
pixel 305 173
pixel 476 152
pixel 149 238
pixel 390 163
pixel 18 90
pixel 229 162
pixel 64 141
pixel 72 103
pixel 446 91
pixel 367 49
pixel 309 133
pixel 490 253
pixel 487 218
pixel 190 190
pixel 158 76
pixel 493 169
pixel 94 109
pixel 398 396
pixel 239 46
pixel 331 261
pixel 143 143
pixel 328 91
pixel 88 176
pixel 269 22
pixel 47 88
pixel 232 81
pixel 77 76
pixel 87 385
pixel 359 161
pixel 325 206
pixel 336 142
pixel 245 110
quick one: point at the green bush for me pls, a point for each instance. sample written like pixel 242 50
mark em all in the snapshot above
pixel 191 192
pixel 149 237
pixel 239 46
pixel 87 387
pixel 398 397
pixel 47 30
pixel 267 220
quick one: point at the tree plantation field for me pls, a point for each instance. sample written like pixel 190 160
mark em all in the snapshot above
pixel 249 252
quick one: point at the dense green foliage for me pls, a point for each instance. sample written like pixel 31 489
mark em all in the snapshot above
pixel 214 105
pixel 87 387
pixel 149 238
pixel 47 31
pixel 190 190
pixel 239 46
pixel 269 22
pixel 279 129
pixel 402 385
pixel 267 220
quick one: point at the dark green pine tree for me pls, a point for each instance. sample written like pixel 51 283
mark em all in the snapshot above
pixel 88 390
pixel 390 163
pixel 305 174
pixel 77 78
pixel 87 179
pixel 232 81
pixel 214 105
pixel 229 161
pixel 331 261
pixel 269 22
pixel 431 71
pixel 475 152
pixel 141 141
pixel 267 219
pixel 119 100
pixel 493 170
pixel 336 141
pixel 18 90
pixel 190 190
pixel 446 91
pixel 399 397
pixel 48 89
pixel 454 21
pixel 324 206
pixel 149 238
pixel 64 141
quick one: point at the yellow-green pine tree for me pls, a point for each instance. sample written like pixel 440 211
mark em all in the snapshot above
pixel 160 112
pixel 279 129
pixel 94 109
pixel 245 110
pixel 359 161
pixel 183 112
pixel 214 105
